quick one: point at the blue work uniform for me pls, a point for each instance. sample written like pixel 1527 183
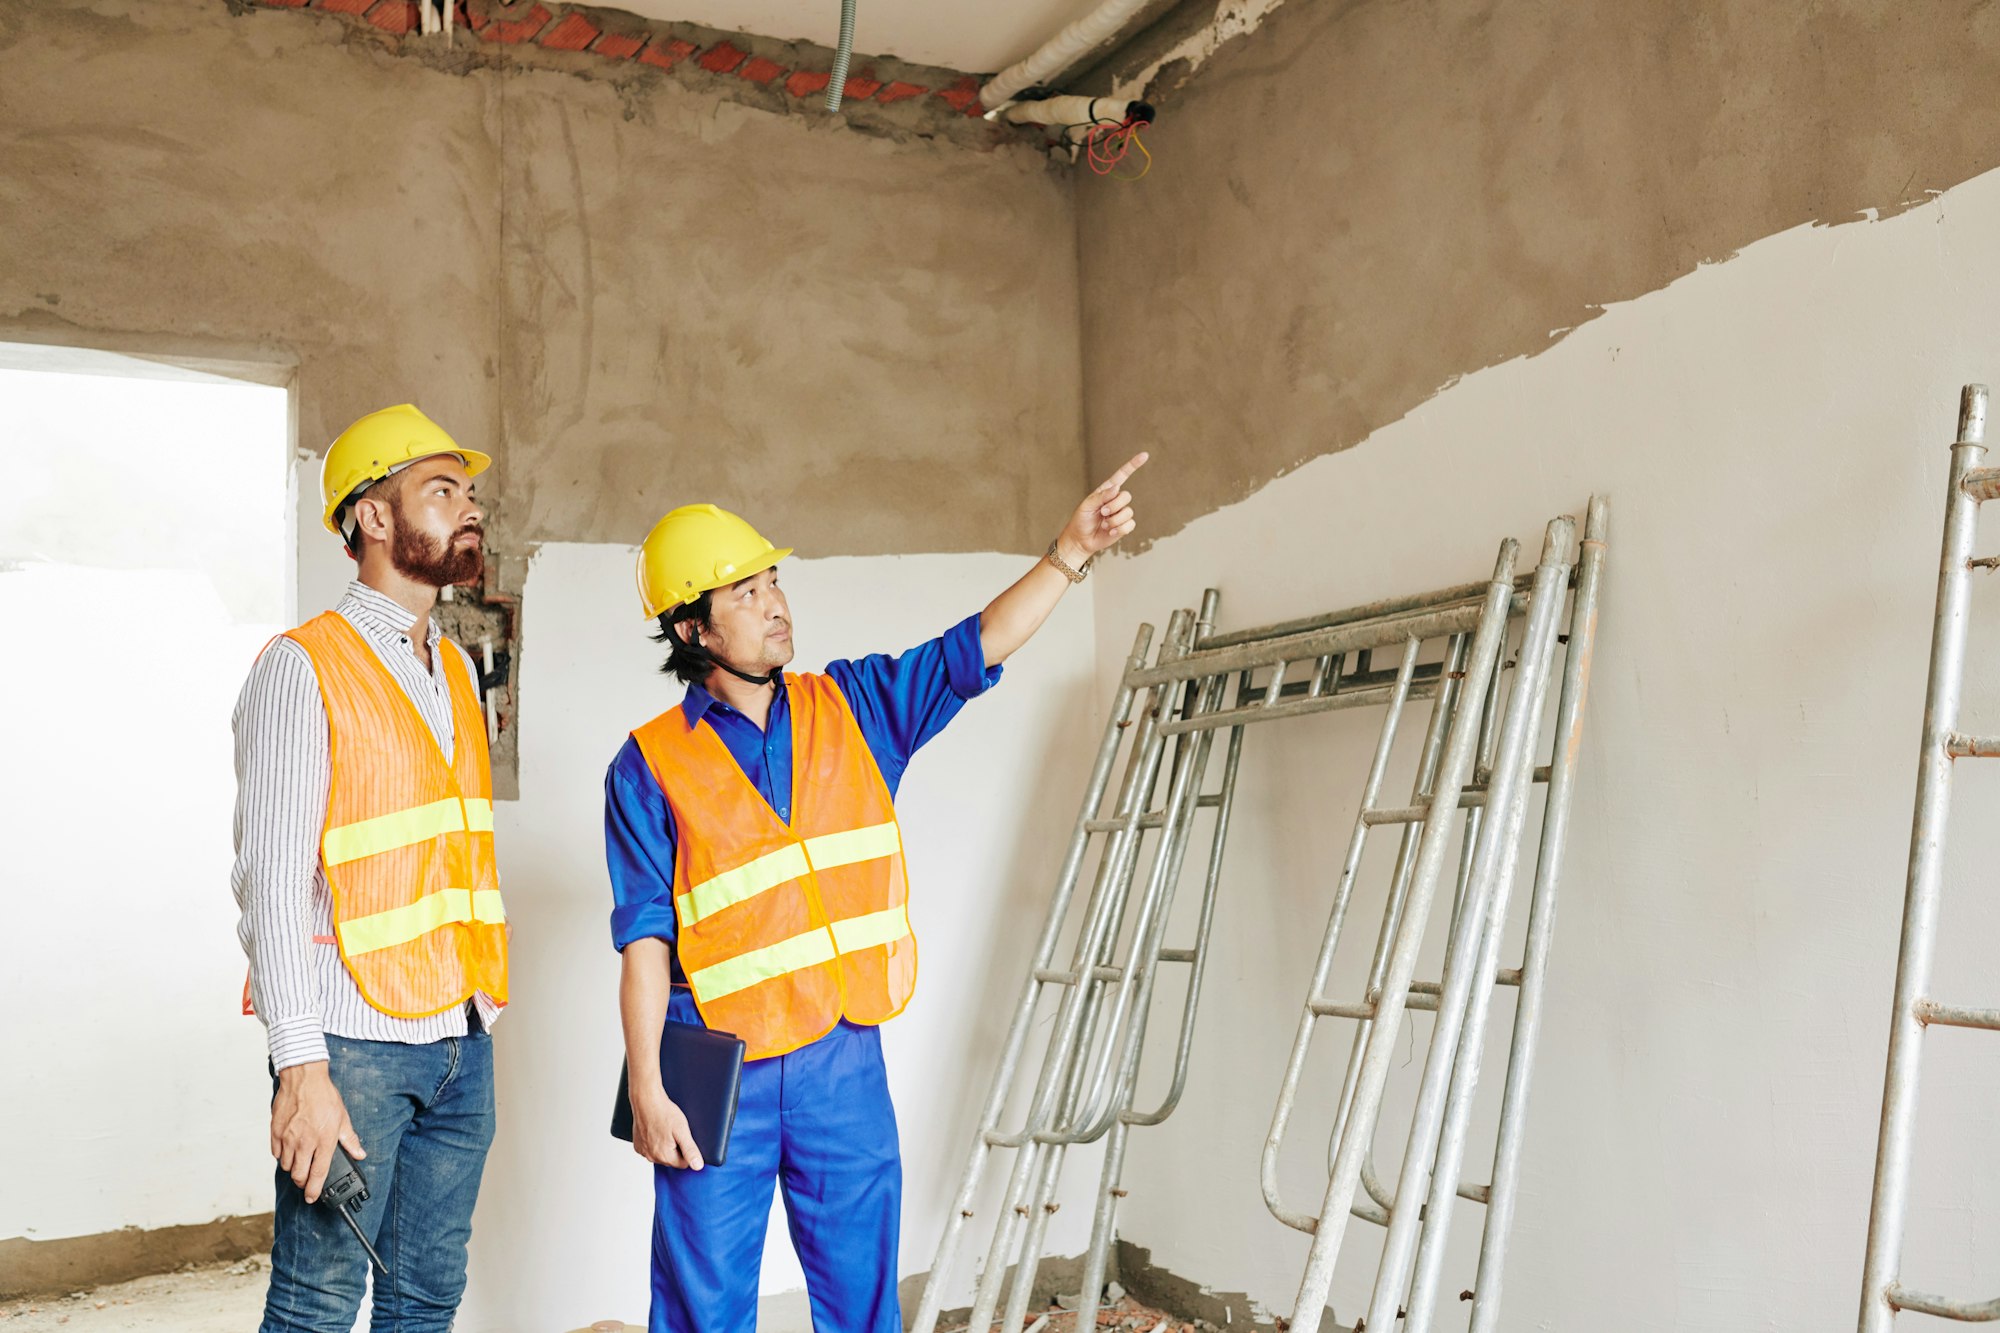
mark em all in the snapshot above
pixel 817 1122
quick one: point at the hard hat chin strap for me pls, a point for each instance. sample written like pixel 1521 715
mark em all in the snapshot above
pixel 699 649
pixel 771 679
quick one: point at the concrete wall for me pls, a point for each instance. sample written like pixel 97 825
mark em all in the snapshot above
pixel 1773 433
pixel 632 292
pixel 639 295
pixel 1358 203
pixel 1407 280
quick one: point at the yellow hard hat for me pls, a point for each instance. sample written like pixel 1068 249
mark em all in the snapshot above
pixel 696 549
pixel 377 445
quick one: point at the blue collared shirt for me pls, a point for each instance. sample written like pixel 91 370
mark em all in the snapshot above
pixel 900 702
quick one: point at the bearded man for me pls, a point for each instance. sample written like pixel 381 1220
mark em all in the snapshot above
pixel 371 907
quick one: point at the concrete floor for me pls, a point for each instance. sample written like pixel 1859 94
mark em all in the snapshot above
pixel 228 1298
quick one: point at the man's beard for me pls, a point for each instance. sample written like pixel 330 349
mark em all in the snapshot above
pixel 422 557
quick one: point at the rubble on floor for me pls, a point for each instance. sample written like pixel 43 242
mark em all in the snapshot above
pixel 193 1300
pixel 1123 1314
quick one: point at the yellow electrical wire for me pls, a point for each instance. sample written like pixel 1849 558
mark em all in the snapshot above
pixel 1133 136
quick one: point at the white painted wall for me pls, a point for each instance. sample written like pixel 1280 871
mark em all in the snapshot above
pixel 143 562
pixel 1773 431
pixel 562 1234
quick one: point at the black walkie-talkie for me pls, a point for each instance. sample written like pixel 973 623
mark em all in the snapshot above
pixel 344 1187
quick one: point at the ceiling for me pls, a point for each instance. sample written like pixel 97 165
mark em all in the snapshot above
pixel 976 36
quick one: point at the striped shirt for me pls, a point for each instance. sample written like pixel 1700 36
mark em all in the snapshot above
pixel 298 983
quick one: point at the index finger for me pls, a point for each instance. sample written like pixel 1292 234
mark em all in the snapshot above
pixel 1132 465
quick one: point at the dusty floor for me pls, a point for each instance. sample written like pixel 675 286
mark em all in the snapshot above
pixel 228 1298
pixel 1126 1315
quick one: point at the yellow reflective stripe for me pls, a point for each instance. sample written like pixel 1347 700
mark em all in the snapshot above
pixel 478 814
pixel 400 925
pixel 746 881
pixel 767 872
pixel 861 844
pixel 773 960
pixel 865 932
pixel 385 833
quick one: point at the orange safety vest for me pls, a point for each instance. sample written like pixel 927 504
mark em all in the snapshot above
pixel 408 845
pixel 786 928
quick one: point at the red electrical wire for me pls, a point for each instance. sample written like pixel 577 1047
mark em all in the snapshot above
pixel 1106 146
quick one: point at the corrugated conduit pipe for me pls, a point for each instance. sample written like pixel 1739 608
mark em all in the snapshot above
pixel 837 85
pixel 1061 51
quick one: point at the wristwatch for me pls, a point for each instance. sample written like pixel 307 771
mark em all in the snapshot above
pixel 1073 575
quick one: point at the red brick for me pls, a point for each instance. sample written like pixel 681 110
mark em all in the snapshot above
pixel 573 32
pixel 666 54
pixel 860 88
pixel 473 19
pixel 722 58
pixel 760 70
pixel 901 92
pixel 617 46
pixel 510 31
pixel 394 16
pixel 803 84
pixel 963 96
pixel 343 6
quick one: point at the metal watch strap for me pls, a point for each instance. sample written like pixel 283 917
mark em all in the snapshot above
pixel 1062 566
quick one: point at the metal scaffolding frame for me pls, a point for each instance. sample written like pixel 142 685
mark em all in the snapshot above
pixel 1165 718
pixel 1882 1292
pixel 1480 759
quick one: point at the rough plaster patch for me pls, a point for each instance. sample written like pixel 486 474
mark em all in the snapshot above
pixel 613 44
pixel 630 290
pixel 1354 203
pixel 1233 19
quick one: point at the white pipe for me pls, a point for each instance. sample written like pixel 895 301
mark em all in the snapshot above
pixel 1061 51
pixel 1070 111
pixel 492 717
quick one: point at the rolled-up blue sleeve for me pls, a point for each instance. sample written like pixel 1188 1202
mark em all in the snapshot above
pixel 638 851
pixel 902 702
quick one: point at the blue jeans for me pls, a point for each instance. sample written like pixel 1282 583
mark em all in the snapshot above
pixel 425 1116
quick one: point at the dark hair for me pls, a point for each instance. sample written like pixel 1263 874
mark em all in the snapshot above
pixel 689 661
pixel 345 514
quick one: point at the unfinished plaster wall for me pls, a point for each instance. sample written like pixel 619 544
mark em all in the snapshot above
pixel 1360 202
pixel 1773 432
pixel 631 291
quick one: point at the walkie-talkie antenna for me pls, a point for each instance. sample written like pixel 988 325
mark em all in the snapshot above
pixel 355 1227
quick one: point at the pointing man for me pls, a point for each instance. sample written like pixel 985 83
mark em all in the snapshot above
pixel 758 884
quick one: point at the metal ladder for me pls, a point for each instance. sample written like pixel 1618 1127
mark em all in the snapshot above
pixel 1882 1292
pixel 1085 1087
pixel 1478 757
